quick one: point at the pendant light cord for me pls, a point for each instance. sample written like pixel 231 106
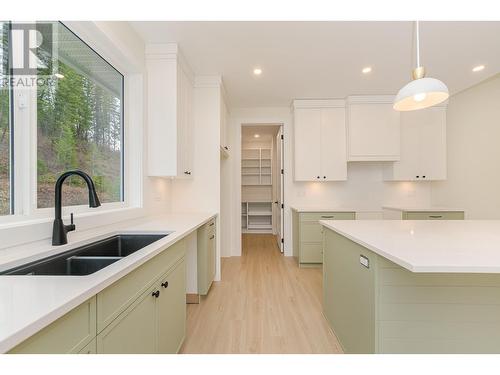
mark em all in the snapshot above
pixel 418 43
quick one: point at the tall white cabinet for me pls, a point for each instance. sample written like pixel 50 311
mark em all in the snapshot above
pixel 170 112
pixel 320 140
pixel 423 146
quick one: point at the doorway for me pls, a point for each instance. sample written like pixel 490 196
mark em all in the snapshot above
pixel 262 185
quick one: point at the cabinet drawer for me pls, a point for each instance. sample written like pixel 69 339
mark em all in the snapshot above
pixel 69 334
pixel 316 216
pixel 311 253
pixel 436 215
pixel 115 298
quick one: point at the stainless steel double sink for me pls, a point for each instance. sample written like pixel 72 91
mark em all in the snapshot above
pixel 87 259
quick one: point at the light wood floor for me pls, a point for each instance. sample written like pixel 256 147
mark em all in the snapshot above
pixel 265 303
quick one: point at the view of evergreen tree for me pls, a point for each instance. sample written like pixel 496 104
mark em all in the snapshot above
pixel 79 120
pixel 4 123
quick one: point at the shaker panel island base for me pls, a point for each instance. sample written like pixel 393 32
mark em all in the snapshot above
pixel 375 305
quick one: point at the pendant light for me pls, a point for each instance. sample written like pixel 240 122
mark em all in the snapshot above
pixel 422 92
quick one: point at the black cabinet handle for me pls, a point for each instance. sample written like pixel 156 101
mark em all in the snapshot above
pixel 165 284
pixel 435 216
pixel 327 216
pixel 417 176
pixel 187 172
pixel 211 224
pixel 212 237
pixel 423 176
pixel 317 177
pixel 156 293
pixel 324 176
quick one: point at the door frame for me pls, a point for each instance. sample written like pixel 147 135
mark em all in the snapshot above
pixel 281 126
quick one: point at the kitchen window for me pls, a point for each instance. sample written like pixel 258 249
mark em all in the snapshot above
pixel 73 118
pixel 5 133
pixel 79 124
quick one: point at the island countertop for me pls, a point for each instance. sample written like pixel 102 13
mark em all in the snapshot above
pixel 30 303
pixel 455 246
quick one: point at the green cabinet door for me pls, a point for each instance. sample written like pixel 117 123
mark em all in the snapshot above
pixel 310 247
pixel 172 310
pixel 206 257
pixel 134 330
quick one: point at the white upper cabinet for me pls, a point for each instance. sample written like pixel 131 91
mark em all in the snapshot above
pixel 320 140
pixel 170 112
pixel 373 130
pixel 423 146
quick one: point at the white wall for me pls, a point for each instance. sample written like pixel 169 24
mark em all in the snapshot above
pixel 473 139
pixel 201 192
pixel 364 189
pixel 227 224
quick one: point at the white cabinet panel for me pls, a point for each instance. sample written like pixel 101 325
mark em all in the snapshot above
pixel 307 144
pixel 373 129
pixel 320 140
pixel 423 146
pixel 333 145
pixel 170 113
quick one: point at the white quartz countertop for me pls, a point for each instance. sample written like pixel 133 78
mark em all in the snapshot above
pixel 448 246
pixel 324 209
pixel 30 303
pixel 424 209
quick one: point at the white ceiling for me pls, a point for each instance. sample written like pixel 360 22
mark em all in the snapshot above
pixel 324 59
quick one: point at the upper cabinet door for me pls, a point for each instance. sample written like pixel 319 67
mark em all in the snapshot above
pixel 432 163
pixel 373 129
pixel 307 144
pixel 333 144
pixel 170 112
pixel 423 146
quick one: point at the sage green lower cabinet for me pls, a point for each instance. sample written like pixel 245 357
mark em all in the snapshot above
pixel 69 334
pixel 171 311
pixel 134 331
pixel 307 234
pixel 206 256
pixel 375 306
pixel 143 312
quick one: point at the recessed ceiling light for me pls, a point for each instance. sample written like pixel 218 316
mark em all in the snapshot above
pixel 256 135
pixel 478 68
pixel 59 75
pixel 257 71
pixel 366 70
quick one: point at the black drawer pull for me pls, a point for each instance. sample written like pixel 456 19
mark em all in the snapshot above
pixel 156 294
pixel 327 216
pixel 211 224
pixel 165 284
pixel 212 237
pixel 436 216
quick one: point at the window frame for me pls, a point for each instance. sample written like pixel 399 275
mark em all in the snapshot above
pixel 23 149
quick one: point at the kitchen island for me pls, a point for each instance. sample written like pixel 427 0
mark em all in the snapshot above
pixel 395 286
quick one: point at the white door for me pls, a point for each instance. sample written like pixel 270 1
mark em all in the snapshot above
pixel 333 145
pixel 307 151
pixel 279 189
